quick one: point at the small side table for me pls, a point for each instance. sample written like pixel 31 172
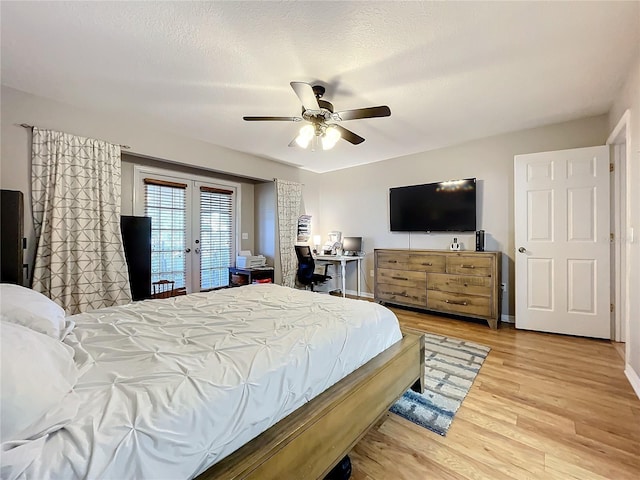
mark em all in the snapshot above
pixel 247 276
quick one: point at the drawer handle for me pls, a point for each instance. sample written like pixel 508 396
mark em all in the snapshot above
pixel 452 302
pixel 400 278
pixel 393 261
pixel 400 294
pixel 467 266
pixel 428 264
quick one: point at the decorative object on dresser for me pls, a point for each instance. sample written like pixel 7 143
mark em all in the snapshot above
pixel 480 241
pixel 462 283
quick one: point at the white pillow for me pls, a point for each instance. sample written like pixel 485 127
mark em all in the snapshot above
pixel 37 379
pixel 32 309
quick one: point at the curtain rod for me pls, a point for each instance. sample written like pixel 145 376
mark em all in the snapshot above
pixel 274 179
pixel 26 125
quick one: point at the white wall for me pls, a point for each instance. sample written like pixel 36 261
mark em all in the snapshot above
pixel 266 223
pixel 18 107
pixel 629 98
pixel 355 200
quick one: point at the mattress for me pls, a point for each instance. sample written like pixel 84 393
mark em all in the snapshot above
pixel 169 387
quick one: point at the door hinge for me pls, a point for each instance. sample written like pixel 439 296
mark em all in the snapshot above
pixel 611 307
pixel 612 237
pixel 611 167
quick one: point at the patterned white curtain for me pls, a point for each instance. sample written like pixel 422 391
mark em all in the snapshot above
pixel 289 198
pixel 75 194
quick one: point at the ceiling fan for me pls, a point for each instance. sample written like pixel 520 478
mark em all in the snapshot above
pixel 323 121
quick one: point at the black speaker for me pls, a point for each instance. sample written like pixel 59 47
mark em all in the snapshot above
pixel 480 241
pixel 136 239
pixel 12 237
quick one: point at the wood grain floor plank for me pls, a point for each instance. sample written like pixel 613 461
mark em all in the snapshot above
pixel 545 440
pixel 543 406
pixel 445 455
pixel 570 471
pixel 485 402
pixel 582 443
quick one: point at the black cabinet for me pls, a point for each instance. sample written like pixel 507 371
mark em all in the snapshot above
pixel 12 239
pixel 245 276
pixel 136 238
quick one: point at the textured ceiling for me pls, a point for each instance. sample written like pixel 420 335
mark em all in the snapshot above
pixel 449 71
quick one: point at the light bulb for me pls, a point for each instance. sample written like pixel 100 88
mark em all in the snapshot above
pixel 305 136
pixel 330 138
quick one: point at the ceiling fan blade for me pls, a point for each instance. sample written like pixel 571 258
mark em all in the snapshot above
pixel 371 112
pixel 304 91
pixel 349 136
pixel 272 119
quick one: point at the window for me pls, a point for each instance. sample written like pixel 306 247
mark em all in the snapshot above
pixel 193 228
pixel 216 236
pixel 166 204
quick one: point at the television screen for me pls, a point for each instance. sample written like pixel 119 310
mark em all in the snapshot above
pixel 434 207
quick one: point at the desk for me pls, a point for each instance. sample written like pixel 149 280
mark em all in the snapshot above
pixel 342 260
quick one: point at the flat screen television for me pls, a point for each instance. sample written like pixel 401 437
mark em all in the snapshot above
pixel 434 207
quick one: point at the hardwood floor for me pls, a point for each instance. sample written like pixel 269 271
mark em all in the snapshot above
pixel 542 407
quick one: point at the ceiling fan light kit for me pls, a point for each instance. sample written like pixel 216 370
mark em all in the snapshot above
pixel 323 121
pixel 330 137
pixel 305 136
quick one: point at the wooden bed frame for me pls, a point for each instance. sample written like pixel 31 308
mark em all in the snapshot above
pixel 309 442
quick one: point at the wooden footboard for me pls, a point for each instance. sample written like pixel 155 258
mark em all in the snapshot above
pixel 309 442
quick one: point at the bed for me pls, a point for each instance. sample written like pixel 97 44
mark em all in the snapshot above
pixel 260 381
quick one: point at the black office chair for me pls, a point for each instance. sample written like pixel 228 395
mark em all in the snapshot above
pixel 306 268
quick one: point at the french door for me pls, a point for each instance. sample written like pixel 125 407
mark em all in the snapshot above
pixel 193 229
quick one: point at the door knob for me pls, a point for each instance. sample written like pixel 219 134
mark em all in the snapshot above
pixel 187 250
pixel 522 249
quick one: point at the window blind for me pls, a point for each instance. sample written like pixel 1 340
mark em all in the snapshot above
pixel 165 203
pixel 216 236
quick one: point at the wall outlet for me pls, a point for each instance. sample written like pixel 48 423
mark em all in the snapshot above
pixel 245 236
pixel 371 273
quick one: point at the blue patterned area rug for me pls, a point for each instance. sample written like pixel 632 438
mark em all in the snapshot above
pixel 451 366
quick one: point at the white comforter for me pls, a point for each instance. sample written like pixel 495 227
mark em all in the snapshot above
pixel 169 387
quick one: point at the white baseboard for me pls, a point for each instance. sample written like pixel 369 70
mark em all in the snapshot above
pixel 634 379
pixel 507 318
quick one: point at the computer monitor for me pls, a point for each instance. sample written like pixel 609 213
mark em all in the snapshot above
pixel 352 245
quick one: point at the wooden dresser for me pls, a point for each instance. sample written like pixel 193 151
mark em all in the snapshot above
pixel 462 283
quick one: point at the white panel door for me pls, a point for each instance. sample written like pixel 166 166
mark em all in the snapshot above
pixel 562 241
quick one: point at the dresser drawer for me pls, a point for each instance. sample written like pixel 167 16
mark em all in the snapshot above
pixel 427 263
pixel 397 261
pixel 469 265
pixel 401 278
pixel 400 294
pixel 474 305
pixel 472 285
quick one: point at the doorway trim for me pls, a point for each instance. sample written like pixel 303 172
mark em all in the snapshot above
pixel 621 135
